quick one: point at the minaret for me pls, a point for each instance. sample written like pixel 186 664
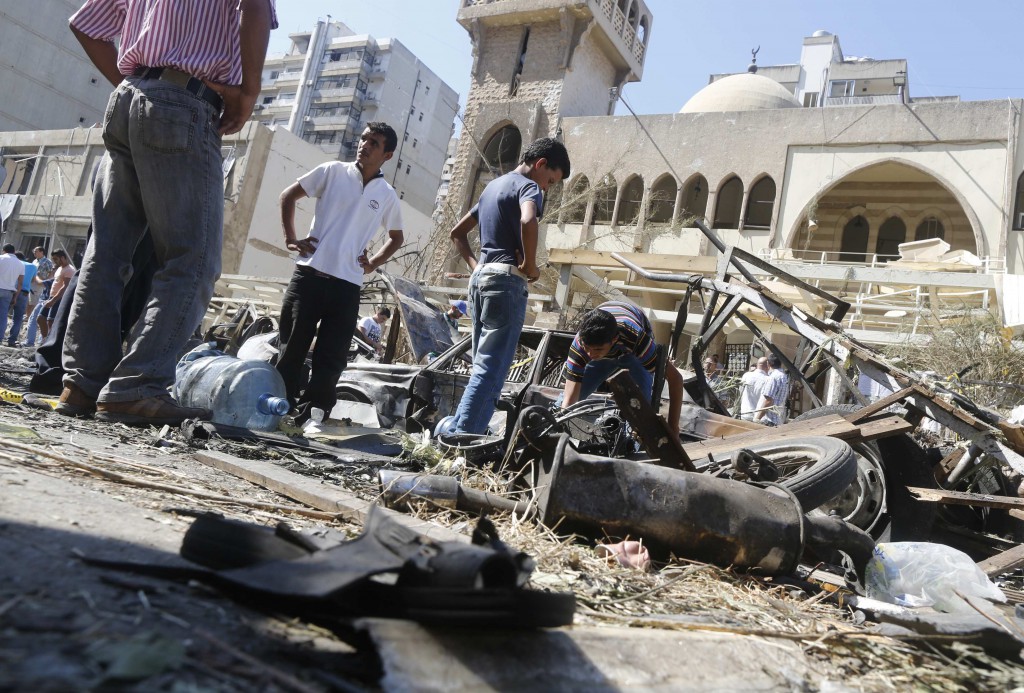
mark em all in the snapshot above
pixel 535 62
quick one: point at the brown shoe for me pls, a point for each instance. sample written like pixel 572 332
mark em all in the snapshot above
pixel 75 402
pixel 161 410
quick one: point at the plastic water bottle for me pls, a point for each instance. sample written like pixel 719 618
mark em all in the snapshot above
pixel 248 394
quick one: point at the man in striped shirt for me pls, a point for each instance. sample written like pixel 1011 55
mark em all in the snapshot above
pixel 613 336
pixel 185 73
pixel 772 407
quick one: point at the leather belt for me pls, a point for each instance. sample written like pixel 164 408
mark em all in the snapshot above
pixel 306 269
pixel 190 83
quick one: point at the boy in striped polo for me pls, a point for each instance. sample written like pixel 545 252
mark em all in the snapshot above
pixel 613 336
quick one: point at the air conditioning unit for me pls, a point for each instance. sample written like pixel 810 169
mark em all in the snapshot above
pixel 258 107
pixel 307 119
pixel 309 82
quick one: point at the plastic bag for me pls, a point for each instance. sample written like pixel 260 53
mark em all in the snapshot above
pixel 911 573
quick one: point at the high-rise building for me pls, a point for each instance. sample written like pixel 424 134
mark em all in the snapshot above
pixel 46 80
pixel 332 81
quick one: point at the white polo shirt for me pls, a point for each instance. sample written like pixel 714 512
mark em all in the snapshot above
pixel 10 269
pixel 347 217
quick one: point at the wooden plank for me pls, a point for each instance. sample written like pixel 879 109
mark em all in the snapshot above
pixel 315 493
pixel 983 500
pixel 833 425
pixel 883 428
pixel 1003 562
pixel 875 407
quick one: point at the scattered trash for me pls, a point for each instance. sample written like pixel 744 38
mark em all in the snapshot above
pixel 628 554
pixel 915 574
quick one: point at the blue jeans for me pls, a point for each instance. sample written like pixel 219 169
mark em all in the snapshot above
pixel 6 299
pixel 498 303
pixel 597 372
pixel 161 173
pixel 33 326
pixel 20 304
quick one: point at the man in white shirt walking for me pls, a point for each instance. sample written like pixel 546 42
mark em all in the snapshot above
pixel 751 385
pixel 772 407
pixel 12 274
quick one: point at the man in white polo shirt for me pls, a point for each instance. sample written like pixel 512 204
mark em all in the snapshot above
pixel 353 201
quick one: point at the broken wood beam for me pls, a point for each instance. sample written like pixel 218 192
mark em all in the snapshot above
pixel 315 493
pixel 833 426
pixel 659 442
pixel 1003 562
pixel 877 406
pixel 981 500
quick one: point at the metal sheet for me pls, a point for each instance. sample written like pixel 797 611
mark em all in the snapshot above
pixel 424 324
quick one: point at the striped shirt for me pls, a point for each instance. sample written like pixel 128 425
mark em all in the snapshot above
pixel 777 388
pixel 198 37
pixel 636 336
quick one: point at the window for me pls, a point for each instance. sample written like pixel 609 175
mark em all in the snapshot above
pixel 268 99
pixel 632 198
pixel 1018 208
pixel 414 141
pixel 517 69
pixel 274 74
pixel 695 201
pixel 662 205
pixel 405 138
pixel 760 204
pixel 929 228
pixel 841 87
pixel 811 99
pixel 412 111
pixel 727 208
pixel 854 245
pixel 408 169
pixel 19 172
pixel 604 200
pixel 361 86
pixel 891 233
pixel 426 89
pixel 421 116
pixel 401 195
pixel 575 203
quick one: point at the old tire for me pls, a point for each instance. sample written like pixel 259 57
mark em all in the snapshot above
pixel 902 463
pixel 815 469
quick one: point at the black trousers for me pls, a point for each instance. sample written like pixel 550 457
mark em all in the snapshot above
pixel 326 308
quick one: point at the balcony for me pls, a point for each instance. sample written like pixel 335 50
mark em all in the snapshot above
pixel 335 94
pixel 872 100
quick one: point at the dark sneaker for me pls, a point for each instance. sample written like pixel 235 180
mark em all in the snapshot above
pixel 75 402
pixel 161 410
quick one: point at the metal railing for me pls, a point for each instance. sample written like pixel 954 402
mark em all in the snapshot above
pixel 989 264
pixel 867 100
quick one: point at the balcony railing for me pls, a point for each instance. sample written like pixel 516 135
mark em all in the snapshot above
pixel 989 264
pixel 863 100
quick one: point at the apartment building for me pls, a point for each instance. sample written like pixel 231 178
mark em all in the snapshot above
pixel 332 81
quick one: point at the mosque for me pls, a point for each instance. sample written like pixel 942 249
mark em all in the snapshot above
pixel 910 208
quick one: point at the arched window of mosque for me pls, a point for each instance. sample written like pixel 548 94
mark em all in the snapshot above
pixel 575 202
pixel 1018 207
pixel 930 227
pixel 552 201
pixel 661 207
pixel 760 204
pixel 501 155
pixel 643 30
pixel 727 208
pixel 604 200
pixel 632 15
pixel 629 205
pixel 695 201
pixel 854 245
pixel 891 233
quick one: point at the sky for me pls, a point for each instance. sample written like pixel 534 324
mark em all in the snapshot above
pixel 953 47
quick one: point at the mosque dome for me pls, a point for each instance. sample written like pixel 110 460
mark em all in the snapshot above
pixel 741 92
pixel 820 33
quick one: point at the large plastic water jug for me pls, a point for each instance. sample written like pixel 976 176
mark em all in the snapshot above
pixel 249 394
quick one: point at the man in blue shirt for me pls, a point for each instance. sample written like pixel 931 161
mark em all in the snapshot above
pixel 507 213
pixel 21 301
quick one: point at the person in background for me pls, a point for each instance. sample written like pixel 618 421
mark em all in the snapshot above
pixel 185 75
pixel 772 407
pixel 507 212
pixel 751 385
pixel 62 275
pixel 12 274
pixel 40 292
pixel 21 301
pixel 456 310
pixel 370 328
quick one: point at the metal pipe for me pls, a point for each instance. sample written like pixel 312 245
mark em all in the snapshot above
pixel 398 488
